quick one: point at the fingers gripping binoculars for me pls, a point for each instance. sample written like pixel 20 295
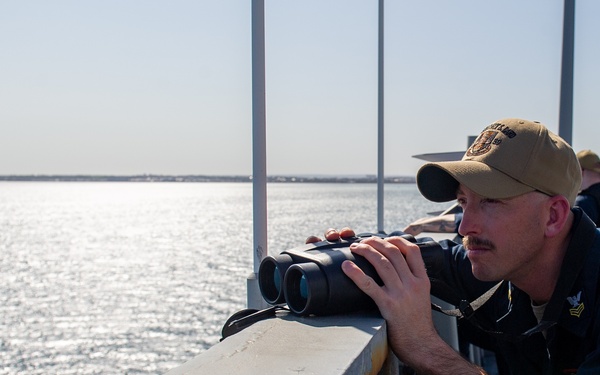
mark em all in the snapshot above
pixel 310 280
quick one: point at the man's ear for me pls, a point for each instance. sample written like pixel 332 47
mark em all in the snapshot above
pixel 559 210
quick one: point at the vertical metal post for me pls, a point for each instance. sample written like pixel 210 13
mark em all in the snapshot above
pixel 259 154
pixel 380 153
pixel 565 117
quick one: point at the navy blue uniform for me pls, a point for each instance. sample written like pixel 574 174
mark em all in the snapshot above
pixel 589 201
pixel 572 342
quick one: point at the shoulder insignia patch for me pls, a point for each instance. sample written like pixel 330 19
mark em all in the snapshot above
pixel 577 306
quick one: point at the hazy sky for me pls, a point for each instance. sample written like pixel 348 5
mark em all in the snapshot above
pixel 164 87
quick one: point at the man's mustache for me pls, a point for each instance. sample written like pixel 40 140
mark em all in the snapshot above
pixel 470 242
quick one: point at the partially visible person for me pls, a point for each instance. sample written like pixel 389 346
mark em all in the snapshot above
pixel 589 196
pixel 517 185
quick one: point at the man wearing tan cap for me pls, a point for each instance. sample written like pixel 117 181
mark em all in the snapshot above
pixel 589 197
pixel 517 185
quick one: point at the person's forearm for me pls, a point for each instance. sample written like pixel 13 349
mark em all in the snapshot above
pixel 432 357
pixel 436 224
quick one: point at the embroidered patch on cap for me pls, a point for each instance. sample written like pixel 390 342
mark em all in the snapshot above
pixel 483 143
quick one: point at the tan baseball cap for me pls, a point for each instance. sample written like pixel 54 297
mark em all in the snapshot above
pixel 510 157
pixel 589 160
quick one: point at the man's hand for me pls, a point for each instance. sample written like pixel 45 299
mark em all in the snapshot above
pixel 404 297
pixel 404 302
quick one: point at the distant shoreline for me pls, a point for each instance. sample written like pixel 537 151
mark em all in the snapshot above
pixel 204 178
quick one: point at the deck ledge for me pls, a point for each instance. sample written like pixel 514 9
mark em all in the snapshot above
pixel 289 344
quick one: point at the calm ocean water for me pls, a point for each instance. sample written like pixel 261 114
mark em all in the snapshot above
pixel 137 278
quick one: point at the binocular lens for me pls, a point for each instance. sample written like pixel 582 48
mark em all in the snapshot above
pixel 270 277
pixel 277 280
pixel 305 286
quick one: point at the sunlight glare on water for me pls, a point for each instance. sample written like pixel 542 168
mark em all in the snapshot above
pixel 115 278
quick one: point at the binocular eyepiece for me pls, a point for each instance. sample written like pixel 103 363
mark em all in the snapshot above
pixel 310 280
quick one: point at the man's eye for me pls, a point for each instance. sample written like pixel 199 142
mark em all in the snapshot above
pixel 488 200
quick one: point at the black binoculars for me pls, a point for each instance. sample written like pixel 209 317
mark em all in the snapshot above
pixel 310 280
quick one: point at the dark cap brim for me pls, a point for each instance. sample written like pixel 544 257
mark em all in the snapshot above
pixel 439 182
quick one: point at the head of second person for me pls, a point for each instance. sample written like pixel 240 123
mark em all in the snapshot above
pixel 590 168
pixel 516 184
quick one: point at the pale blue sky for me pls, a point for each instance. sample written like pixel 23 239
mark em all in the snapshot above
pixel 129 87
